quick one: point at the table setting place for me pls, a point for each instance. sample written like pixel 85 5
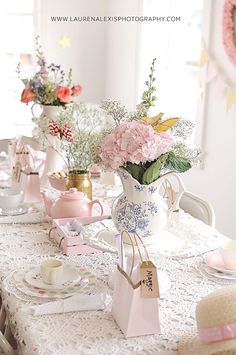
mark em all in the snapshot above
pixel 122 270
pixel 103 250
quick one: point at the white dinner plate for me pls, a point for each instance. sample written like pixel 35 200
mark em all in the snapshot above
pixel 71 276
pixel 215 261
pixel 16 212
pixel 218 274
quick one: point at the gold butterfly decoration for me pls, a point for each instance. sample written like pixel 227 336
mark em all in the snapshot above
pixel 158 124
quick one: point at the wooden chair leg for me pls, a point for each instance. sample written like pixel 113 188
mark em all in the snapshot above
pixel 9 336
pixel 6 346
pixel 2 318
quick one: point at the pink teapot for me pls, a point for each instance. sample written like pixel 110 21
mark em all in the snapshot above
pixel 72 203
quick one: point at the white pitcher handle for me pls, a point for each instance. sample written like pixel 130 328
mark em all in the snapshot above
pixel 181 190
pixel 32 108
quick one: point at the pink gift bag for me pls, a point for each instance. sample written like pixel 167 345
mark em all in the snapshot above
pixel 30 184
pixel 135 304
pixel 23 161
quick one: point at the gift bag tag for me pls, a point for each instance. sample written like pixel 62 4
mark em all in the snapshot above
pixel 149 280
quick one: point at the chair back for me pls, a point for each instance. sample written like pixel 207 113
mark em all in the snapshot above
pixel 198 208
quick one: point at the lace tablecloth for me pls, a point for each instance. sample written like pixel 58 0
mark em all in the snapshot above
pixel 96 332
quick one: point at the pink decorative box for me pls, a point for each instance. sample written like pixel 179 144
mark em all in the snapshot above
pixel 72 245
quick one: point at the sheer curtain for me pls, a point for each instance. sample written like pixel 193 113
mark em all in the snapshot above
pixel 18 28
pixel 176 44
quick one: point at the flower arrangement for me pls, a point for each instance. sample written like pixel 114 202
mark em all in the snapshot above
pixel 48 85
pixel 78 140
pixel 141 144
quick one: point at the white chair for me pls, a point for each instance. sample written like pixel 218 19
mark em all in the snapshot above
pixel 4 145
pixel 198 208
pixel 190 203
pixel 7 341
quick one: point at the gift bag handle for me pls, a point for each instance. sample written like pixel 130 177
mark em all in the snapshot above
pixel 136 236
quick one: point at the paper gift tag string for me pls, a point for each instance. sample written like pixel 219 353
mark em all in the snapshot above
pixel 148 272
pixel 135 236
pixel 122 251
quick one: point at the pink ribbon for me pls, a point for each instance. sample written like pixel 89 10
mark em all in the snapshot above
pixel 209 335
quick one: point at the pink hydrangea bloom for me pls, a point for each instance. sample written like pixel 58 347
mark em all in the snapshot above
pixel 134 142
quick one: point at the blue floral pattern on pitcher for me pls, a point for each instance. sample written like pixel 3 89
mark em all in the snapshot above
pixel 140 208
pixel 134 217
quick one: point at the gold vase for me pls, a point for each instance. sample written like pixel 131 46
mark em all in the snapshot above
pixel 81 181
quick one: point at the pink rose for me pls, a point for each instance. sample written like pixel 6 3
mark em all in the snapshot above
pixel 76 90
pixel 64 94
pixel 27 95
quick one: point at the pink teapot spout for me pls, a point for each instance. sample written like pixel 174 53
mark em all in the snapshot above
pixel 48 202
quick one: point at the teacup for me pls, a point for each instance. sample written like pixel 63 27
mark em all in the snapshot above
pixel 228 253
pixel 10 198
pixel 52 271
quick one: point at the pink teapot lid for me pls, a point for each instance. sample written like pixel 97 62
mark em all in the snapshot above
pixel 73 194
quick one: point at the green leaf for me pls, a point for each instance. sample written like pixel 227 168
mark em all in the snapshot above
pixel 25 81
pixel 153 172
pixel 136 171
pixel 177 163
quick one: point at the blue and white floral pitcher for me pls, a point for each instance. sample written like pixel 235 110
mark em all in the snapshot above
pixel 142 209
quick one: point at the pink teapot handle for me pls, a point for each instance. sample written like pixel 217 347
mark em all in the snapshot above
pixel 98 202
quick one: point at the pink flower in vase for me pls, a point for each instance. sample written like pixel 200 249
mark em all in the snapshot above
pixel 64 94
pixel 134 142
pixel 76 90
pixel 27 95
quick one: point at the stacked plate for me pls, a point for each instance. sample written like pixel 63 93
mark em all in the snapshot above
pixel 11 202
pixel 75 280
pixel 214 266
pixel 14 212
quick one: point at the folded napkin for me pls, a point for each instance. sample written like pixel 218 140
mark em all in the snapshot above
pixel 28 218
pixel 101 235
pixel 79 302
pixel 4 176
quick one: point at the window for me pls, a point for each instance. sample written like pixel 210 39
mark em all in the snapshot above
pixel 177 47
pixel 17 22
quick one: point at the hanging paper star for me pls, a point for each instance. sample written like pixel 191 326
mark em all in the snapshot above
pixel 65 42
pixel 221 85
pixel 204 58
pixel 230 98
pixel 211 72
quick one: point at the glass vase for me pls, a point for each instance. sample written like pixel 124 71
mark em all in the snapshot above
pixel 80 180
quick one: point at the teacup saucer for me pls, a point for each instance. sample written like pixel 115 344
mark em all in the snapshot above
pixel 16 212
pixel 71 276
pixel 209 271
pixel 215 261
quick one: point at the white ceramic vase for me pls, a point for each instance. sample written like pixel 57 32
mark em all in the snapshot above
pixel 53 160
pixel 141 209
